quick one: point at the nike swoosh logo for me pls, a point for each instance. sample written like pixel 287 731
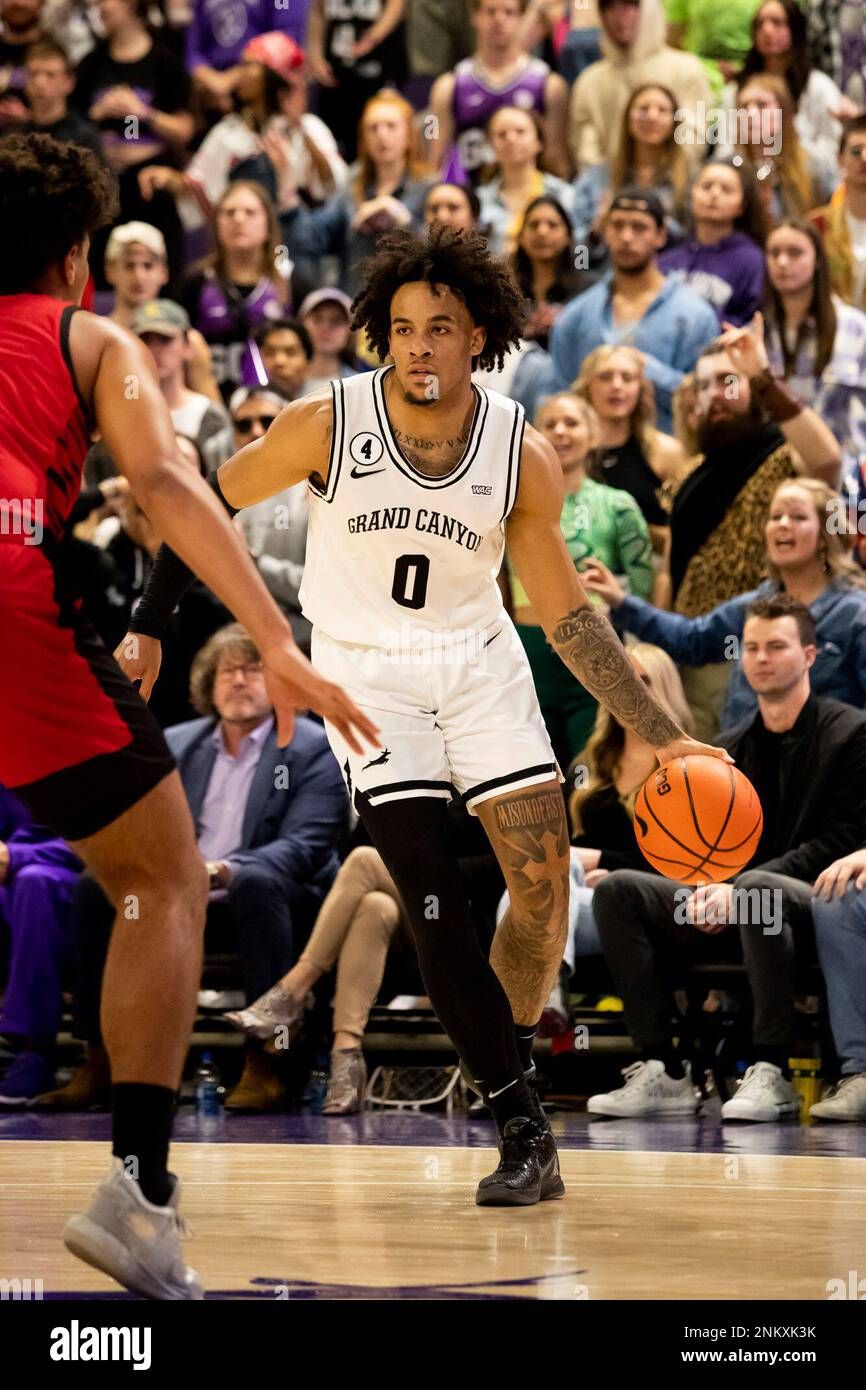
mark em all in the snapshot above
pixel 493 638
pixel 365 473
pixel 493 1094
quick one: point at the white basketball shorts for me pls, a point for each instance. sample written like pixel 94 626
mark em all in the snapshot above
pixel 460 719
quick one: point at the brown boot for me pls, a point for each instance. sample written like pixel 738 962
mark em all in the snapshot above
pixel 88 1088
pixel 260 1088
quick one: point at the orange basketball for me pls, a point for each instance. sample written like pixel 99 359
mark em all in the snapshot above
pixel 698 820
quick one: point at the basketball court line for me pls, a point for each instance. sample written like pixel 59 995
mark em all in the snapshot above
pixel 375 1222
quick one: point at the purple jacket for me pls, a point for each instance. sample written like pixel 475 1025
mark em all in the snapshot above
pixel 729 275
pixel 28 843
pixel 221 29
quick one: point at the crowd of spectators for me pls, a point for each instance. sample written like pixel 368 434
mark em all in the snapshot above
pixel 680 189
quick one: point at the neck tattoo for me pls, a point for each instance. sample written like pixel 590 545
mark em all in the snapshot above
pixel 414 442
pixel 433 456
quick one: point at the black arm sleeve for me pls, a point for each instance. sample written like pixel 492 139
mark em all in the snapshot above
pixel 167 583
pixel 87 501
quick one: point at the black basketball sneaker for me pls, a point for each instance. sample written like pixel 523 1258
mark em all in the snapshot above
pixel 528 1169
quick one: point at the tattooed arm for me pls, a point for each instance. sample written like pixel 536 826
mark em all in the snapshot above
pixel 578 632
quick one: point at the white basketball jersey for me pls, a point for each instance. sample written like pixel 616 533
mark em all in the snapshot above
pixel 390 550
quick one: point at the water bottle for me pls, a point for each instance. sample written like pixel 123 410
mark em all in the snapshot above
pixel 806 1078
pixel 317 1086
pixel 208 1093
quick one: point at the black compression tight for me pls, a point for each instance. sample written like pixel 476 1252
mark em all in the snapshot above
pixel 412 837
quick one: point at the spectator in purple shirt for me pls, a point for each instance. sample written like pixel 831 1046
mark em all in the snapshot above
pixel 722 258
pixel 220 31
pixel 38 873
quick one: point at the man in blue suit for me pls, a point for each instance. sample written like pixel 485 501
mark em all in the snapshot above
pixel 268 821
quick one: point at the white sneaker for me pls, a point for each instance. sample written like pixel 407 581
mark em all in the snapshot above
pixel 845 1101
pixel 648 1090
pixel 763 1094
pixel 135 1242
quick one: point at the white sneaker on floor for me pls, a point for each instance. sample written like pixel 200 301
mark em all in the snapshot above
pixel 648 1090
pixel 763 1095
pixel 133 1241
pixel 845 1101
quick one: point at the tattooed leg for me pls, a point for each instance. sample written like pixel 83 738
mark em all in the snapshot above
pixel 590 648
pixel 529 835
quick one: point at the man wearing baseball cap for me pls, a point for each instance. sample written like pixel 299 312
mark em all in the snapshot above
pixel 220 31
pixel 634 305
pixel 137 269
pixel 135 266
pixel 164 327
pixel 327 316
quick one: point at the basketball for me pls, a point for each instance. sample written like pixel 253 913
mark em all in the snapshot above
pixel 698 820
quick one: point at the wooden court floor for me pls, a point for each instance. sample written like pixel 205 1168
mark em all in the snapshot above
pixel 356 1221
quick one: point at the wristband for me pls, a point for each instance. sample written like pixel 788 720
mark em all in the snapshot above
pixel 774 396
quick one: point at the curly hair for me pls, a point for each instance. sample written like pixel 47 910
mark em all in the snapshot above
pixel 445 256
pixel 52 195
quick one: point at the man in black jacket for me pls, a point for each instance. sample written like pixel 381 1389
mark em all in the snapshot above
pixel 806 757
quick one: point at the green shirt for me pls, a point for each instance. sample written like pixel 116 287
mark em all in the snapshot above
pixel 714 30
pixel 606 524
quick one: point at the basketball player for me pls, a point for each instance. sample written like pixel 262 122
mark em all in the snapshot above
pixel 413 473
pixel 77 745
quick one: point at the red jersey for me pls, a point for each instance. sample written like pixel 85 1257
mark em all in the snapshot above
pixel 76 741
pixel 44 431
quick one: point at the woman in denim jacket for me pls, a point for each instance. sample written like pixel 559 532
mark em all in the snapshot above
pixel 807 558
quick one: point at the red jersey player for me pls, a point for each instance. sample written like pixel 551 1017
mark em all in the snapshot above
pixel 77 744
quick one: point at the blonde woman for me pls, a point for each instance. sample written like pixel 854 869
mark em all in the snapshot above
pixel 388 186
pixel 607 776
pixel 633 455
pixel 807 559
pixel 781 46
pixel 790 180
pixel 596 520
